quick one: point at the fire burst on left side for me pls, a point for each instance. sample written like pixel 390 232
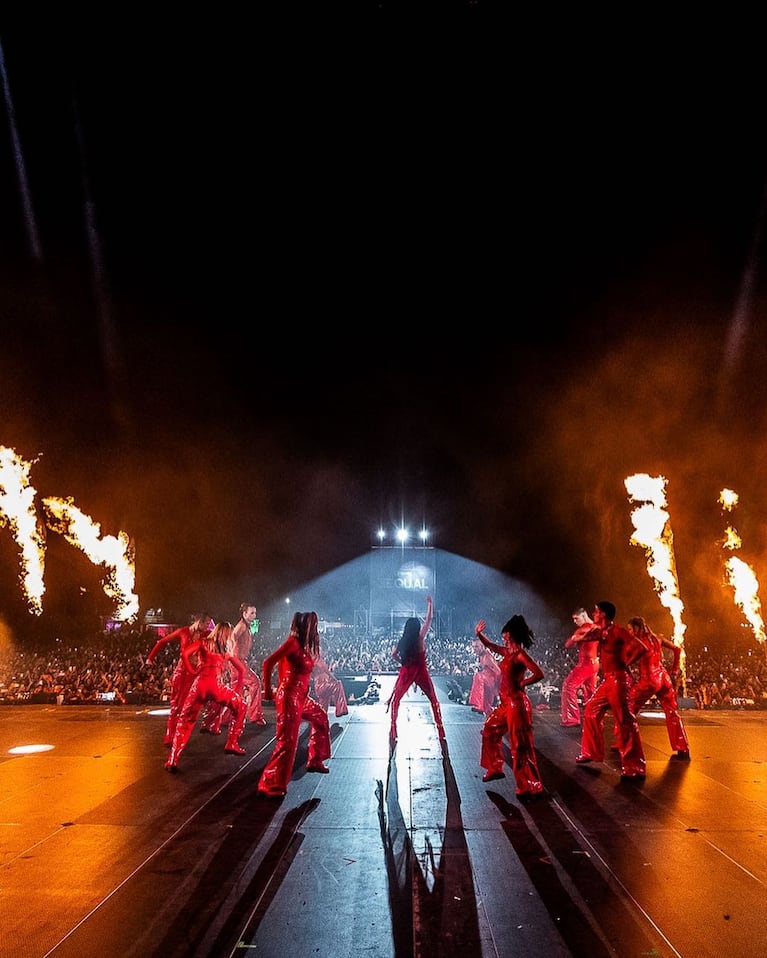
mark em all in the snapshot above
pixel 17 510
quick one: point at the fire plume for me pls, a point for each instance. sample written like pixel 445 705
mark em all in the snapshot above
pixel 740 575
pixel 17 510
pixel 115 552
pixel 653 533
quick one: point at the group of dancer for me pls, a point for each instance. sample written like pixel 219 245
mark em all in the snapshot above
pixel 612 650
pixel 212 674
pixel 513 717
pixel 604 648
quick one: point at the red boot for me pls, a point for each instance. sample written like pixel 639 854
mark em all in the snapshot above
pixel 183 733
pixel 236 724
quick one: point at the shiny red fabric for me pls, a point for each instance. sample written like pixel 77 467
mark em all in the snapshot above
pixel 207 686
pixel 513 717
pixel 654 680
pixel 486 683
pixel 182 679
pixel 293 706
pixel 584 673
pixel 416 673
pixel 328 690
pixel 613 693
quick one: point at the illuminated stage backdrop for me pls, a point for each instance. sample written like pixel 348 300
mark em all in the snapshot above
pixel 400 579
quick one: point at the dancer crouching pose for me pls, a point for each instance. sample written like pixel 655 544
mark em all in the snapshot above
pixel 207 686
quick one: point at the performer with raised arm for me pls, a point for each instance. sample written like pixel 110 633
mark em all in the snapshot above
pixel 410 652
pixel 584 673
pixel 486 681
pixel 182 678
pixel 514 716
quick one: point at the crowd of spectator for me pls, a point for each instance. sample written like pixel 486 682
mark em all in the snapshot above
pixel 111 667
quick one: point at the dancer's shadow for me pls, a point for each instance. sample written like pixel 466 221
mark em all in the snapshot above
pixel 437 917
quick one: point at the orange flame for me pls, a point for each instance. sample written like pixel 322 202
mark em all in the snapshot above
pixel 740 576
pixel 116 552
pixel 17 509
pixel 653 533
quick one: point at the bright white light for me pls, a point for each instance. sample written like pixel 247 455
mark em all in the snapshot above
pixel 287 601
pixel 402 534
pixel 381 535
pixel 423 535
pixel 29 749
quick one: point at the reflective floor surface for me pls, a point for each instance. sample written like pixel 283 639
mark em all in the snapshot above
pixel 393 854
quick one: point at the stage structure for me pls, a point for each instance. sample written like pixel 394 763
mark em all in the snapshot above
pixel 401 577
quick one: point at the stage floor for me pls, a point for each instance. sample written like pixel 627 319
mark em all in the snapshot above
pixel 103 852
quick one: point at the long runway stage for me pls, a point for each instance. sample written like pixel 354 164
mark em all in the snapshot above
pixel 102 852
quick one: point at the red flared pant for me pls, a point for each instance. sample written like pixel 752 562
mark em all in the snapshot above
pixel 293 707
pixel 613 693
pixel 514 717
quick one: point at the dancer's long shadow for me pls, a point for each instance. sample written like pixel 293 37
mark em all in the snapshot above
pixel 218 905
pixel 593 916
pixel 437 920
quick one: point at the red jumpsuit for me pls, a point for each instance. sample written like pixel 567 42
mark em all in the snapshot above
pixel 216 714
pixel 413 670
pixel 207 686
pixel 514 716
pixel 328 689
pixel 583 675
pixel 415 673
pixel 182 678
pixel 655 680
pixel 293 706
pixel 613 693
pixel 486 683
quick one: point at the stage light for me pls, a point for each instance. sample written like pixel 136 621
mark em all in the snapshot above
pixel 381 535
pixel 402 535
pixel 423 535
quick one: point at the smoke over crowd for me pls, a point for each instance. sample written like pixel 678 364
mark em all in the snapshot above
pixel 192 359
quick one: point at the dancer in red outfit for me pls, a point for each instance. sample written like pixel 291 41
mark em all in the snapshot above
pixel 182 678
pixel 296 658
pixel 207 686
pixel 486 682
pixel 410 652
pixel 655 680
pixel 612 693
pixel 584 674
pixel 328 689
pixel 216 714
pixel 514 716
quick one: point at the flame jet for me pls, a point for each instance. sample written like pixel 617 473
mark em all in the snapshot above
pixel 116 552
pixel 653 533
pixel 17 510
pixel 740 575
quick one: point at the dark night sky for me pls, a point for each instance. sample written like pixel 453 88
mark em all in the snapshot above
pixel 336 278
